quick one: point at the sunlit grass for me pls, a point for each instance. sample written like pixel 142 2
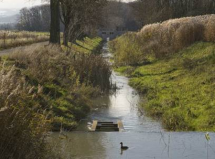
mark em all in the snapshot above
pixel 180 89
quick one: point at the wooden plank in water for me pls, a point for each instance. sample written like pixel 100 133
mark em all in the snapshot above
pixel 113 125
pixel 108 129
pixel 120 125
pixel 107 126
pixel 93 128
pixel 105 122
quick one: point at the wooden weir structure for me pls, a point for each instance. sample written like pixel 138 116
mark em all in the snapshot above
pixel 107 126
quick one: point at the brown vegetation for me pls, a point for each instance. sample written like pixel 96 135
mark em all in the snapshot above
pixel 163 39
pixel 173 35
pixel 9 39
pixel 23 127
pixel 43 89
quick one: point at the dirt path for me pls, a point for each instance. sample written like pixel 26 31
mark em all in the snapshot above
pixel 8 51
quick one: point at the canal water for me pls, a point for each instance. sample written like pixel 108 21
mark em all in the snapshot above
pixel 145 137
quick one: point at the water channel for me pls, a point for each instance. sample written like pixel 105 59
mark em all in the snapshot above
pixel 145 137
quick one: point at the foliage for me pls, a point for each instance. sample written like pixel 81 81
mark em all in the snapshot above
pixel 34 19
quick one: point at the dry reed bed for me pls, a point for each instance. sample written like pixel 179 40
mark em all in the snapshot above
pixel 9 39
pixel 173 35
pixel 162 39
pixel 23 128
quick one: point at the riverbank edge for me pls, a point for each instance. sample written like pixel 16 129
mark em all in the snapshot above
pixel 156 80
pixel 59 98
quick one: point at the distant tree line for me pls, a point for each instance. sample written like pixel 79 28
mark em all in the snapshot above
pixel 77 18
pixel 151 11
pixel 34 19
pixel 7 26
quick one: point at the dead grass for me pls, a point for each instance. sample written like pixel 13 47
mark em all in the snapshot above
pixel 51 64
pixel 162 39
pixel 23 128
pixel 9 39
pixel 44 89
pixel 175 34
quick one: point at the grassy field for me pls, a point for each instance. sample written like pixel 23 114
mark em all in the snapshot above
pixel 178 85
pixel 10 39
pixel 43 89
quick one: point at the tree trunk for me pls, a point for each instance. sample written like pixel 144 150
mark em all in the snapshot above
pixel 66 35
pixel 55 22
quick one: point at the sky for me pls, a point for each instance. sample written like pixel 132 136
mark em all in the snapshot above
pixel 18 4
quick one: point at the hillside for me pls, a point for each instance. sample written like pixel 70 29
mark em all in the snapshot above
pixel 8 15
pixel 8 19
pixel 178 83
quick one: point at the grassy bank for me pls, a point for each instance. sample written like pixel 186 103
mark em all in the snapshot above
pixel 45 89
pixel 10 39
pixel 179 86
pixel 87 45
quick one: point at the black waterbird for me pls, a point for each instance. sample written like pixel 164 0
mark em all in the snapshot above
pixel 123 147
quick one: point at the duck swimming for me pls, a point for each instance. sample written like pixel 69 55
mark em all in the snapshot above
pixel 123 147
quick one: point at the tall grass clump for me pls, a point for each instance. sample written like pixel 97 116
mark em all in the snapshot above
pixel 163 39
pixel 24 125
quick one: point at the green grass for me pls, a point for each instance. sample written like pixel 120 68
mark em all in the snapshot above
pixel 180 88
pixel 87 45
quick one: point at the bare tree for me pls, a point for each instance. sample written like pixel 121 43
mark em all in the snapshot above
pixel 77 16
pixel 55 22
pixel 34 19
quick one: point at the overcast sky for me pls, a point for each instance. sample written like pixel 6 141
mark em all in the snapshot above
pixel 10 4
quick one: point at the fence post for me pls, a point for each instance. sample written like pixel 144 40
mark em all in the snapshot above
pixel 4 40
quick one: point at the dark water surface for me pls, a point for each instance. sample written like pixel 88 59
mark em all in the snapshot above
pixel 145 137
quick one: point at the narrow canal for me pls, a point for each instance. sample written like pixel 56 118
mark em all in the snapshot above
pixel 145 137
